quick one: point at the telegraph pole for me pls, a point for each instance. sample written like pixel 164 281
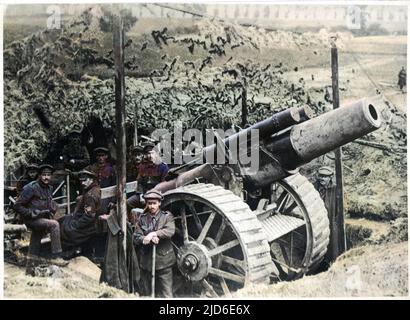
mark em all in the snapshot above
pixel 118 39
pixel 338 239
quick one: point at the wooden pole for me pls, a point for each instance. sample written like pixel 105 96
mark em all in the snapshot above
pixel 338 227
pixel 135 126
pixel 118 38
pixel 68 194
pixel 244 101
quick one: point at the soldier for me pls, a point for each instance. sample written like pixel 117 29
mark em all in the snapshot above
pixel 155 227
pixel 104 170
pixel 36 208
pixel 30 174
pixel 327 190
pixel 79 227
pixel 105 173
pixel 402 78
pixel 324 183
pixel 75 154
pixel 151 171
pixel 135 157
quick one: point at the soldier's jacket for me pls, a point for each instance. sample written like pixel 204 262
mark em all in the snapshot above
pixel 150 174
pixel 22 182
pixel 164 225
pixel 78 153
pixel 81 225
pixel 106 175
pixel 34 195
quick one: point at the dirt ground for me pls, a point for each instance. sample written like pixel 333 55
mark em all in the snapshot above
pixel 367 271
pixel 79 279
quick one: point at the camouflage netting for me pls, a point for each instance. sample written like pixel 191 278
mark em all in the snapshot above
pixel 55 79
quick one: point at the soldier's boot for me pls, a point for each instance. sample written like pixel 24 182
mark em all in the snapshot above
pixel 57 260
pixel 32 262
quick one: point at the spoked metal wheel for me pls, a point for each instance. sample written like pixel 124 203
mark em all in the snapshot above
pixel 219 242
pixel 298 229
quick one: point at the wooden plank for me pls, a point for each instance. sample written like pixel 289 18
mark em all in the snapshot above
pixel 109 192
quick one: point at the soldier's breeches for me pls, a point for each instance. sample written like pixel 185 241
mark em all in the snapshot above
pixel 163 282
pixel 39 227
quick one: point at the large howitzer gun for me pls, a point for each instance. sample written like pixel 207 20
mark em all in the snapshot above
pixel 237 226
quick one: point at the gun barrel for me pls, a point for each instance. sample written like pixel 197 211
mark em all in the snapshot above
pixel 313 138
pixel 267 127
pixel 320 135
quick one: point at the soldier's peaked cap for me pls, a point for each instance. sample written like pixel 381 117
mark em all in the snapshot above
pixel 148 146
pixel 101 150
pixel 31 166
pixel 153 194
pixel 75 130
pixel 87 173
pixel 137 148
pixel 325 171
pixel 46 166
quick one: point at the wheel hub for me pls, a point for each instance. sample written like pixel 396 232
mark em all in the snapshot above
pixel 193 261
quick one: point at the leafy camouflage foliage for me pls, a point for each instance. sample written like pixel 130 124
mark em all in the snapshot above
pixel 56 79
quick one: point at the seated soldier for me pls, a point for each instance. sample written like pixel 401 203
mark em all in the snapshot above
pixel 79 227
pixel 37 208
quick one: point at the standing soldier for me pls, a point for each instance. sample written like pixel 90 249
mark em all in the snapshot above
pixel 75 154
pixel 81 225
pixel 402 78
pixel 155 227
pixel 75 157
pixel 36 208
pixel 30 174
pixel 151 171
pixel 327 190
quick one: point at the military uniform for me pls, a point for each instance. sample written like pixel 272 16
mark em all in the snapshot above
pixel 75 154
pixel 26 179
pixel 328 194
pixel 106 174
pixel 106 177
pixel 402 78
pixel 22 182
pixel 34 198
pixel 149 175
pixel 163 223
pixel 76 157
pixel 81 225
